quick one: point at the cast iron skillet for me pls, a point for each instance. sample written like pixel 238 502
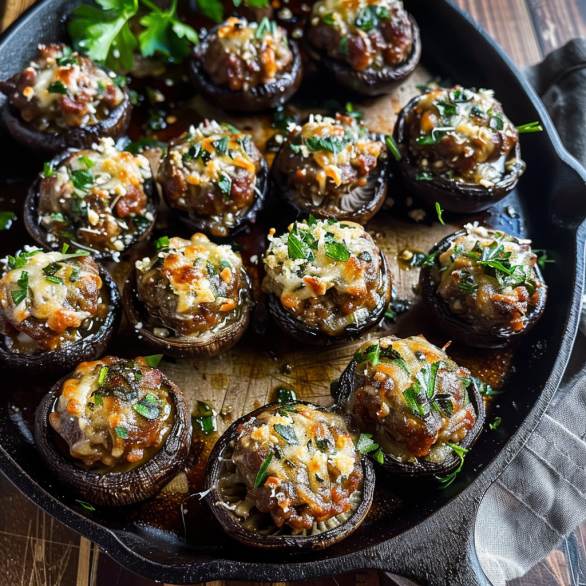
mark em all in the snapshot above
pixel 409 537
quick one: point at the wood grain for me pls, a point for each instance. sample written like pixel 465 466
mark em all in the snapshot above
pixel 38 551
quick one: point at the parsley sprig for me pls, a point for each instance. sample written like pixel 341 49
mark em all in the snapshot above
pixel 104 31
pixel 445 481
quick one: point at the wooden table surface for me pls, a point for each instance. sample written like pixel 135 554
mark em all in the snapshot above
pixel 36 550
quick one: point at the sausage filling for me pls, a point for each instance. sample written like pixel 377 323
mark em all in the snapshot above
pixel 211 172
pixel 366 34
pixel 462 135
pixel 327 159
pixel 327 274
pixel 62 89
pixel 49 300
pixel 487 278
pixel 245 55
pixel 413 398
pixel 299 464
pixel 97 198
pixel 192 286
pixel 114 414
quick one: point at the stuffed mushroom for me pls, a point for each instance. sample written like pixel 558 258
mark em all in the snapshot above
pixel 193 297
pixel 55 309
pixel 332 168
pixel 459 149
pixel 420 407
pixel 369 45
pixel 100 199
pixel 247 66
pixel 483 287
pixel 63 99
pixel 114 431
pixel 289 476
pixel 215 177
pixel 327 281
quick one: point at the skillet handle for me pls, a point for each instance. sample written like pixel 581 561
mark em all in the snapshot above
pixel 439 551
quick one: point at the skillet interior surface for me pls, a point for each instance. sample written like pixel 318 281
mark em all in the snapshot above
pixel 548 205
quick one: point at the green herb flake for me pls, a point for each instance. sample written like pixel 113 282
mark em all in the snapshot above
pixel 343 46
pixel 74 277
pixel 121 432
pixel 287 432
pixel 225 185
pixel 20 294
pixel 6 219
pixel 411 396
pixel 495 423
pixel 260 477
pixel 329 18
pixel 365 444
pixel 102 375
pixel 439 212
pixel 337 251
pixel 285 395
pixel 393 147
pixel 87 161
pixel 424 176
pixel 57 87
pixel 148 407
pixel 85 505
pixel 372 354
pixel 153 360
pixel 530 127
pixel 379 456
pixel 55 280
pixel 48 170
pixel 81 179
pixel 162 242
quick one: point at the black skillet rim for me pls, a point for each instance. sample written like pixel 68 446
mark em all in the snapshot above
pixel 383 555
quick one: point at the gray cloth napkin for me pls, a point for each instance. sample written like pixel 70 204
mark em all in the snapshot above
pixel 541 496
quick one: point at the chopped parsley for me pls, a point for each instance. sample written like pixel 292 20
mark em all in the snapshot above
pixel 57 87
pixel 287 432
pixel 148 407
pixel 153 360
pixel 495 423
pixel 371 16
pixel 261 475
pixel 392 146
pixel 285 395
pixel 162 242
pixel 439 212
pixel 225 184
pixel 121 432
pixel 20 294
pixel 48 170
pixel 530 127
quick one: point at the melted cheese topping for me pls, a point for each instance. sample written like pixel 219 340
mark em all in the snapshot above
pixel 470 120
pixel 248 40
pixel 303 278
pixel 332 144
pixel 112 410
pixel 417 396
pixel 77 77
pixel 49 293
pixel 211 152
pixel 188 265
pixel 90 183
pixel 309 443
pixel 478 237
pixel 344 13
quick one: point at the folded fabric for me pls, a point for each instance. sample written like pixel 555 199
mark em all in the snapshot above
pixel 541 496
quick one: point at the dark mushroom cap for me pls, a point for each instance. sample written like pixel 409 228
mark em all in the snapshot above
pixel 311 335
pixel 262 97
pixel 211 344
pixel 231 524
pixel 370 82
pixel 120 488
pixel 368 199
pixel 464 331
pixel 56 362
pixel 53 143
pixel 348 384
pixel 452 195
pixel 41 235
